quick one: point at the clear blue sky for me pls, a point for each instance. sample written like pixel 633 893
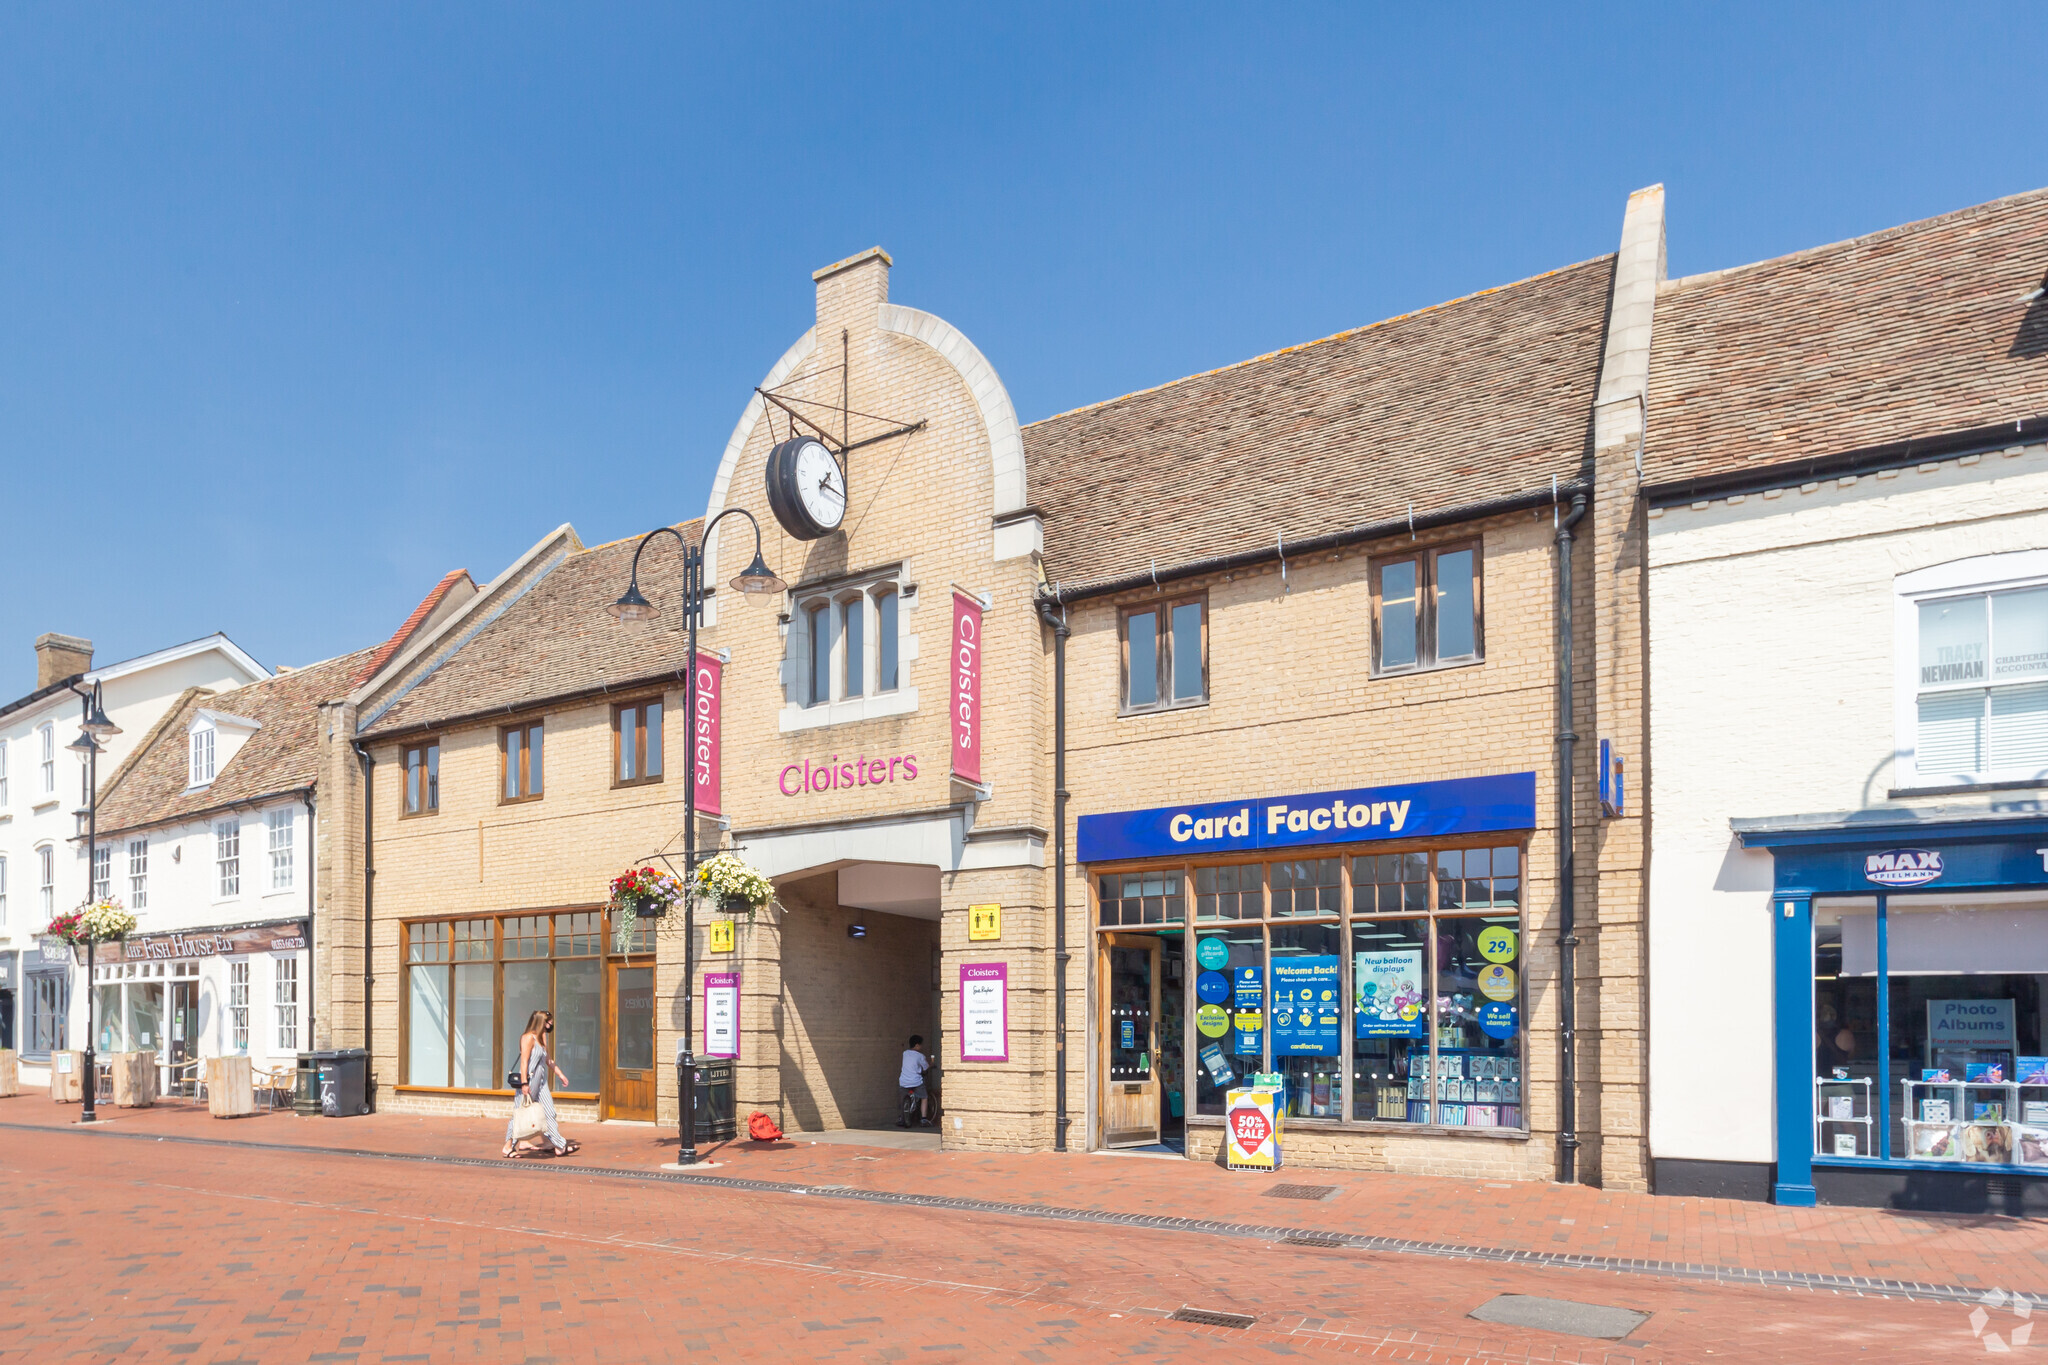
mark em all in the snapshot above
pixel 300 309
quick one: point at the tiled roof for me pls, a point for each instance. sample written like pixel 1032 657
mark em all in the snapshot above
pixel 1914 332
pixel 283 755
pixel 382 654
pixel 556 639
pixel 1484 397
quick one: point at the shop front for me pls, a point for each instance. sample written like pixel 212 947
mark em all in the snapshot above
pixel 1911 973
pixel 1367 946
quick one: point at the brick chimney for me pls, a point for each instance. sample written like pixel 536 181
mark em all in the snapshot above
pixel 59 657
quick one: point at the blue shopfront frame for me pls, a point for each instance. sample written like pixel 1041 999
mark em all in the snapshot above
pixel 1861 855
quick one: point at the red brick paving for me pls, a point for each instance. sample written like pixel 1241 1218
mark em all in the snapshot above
pixel 172 1251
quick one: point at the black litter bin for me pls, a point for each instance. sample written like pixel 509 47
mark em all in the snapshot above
pixel 344 1076
pixel 306 1088
pixel 715 1122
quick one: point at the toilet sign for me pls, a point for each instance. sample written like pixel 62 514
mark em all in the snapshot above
pixel 1252 1130
pixel 984 922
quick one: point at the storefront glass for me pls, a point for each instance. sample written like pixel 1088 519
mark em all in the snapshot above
pixel 48 1022
pixel 106 1007
pixel 1306 1016
pixel 1390 1017
pixel 1229 985
pixel 472 984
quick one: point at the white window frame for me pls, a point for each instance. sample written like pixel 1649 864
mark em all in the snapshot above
pixel 238 1005
pixel 227 858
pixel 102 871
pixel 1972 577
pixel 803 709
pixel 46 868
pixel 46 736
pixel 3 890
pixel 3 774
pixel 279 825
pixel 200 763
pixel 138 874
pixel 285 995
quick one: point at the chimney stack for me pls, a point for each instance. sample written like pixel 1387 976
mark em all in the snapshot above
pixel 59 657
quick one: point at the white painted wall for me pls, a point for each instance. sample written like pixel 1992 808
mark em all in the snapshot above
pixel 1772 692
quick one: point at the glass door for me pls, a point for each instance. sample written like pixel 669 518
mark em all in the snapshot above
pixel 629 1040
pixel 184 1036
pixel 1130 1040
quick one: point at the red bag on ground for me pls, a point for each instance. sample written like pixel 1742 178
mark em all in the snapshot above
pixel 761 1128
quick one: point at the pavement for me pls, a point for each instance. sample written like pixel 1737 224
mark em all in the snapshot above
pixel 164 1234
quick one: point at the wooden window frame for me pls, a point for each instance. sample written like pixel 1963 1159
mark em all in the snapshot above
pixel 1425 560
pixel 525 730
pixel 431 802
pixel 1162 612
pixel 639 741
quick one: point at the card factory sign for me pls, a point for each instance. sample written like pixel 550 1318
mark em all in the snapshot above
pixel 280 937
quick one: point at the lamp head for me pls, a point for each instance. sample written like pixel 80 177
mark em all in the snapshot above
pixel 96 723
pixel 758 580
pixel 634 606
pixel 85 743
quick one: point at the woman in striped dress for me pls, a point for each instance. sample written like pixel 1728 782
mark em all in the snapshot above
pixel 534 1067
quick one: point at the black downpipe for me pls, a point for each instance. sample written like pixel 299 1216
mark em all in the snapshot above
pixel 1567 939
pixel 369 891
pixel 1057 620
pixel 312 926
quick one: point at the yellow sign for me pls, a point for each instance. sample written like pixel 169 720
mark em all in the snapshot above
pixel 1497 944
pixel 984 922
pixel 1497 982
pixel 721 936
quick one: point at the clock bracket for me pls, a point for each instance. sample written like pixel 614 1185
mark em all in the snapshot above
pixel 815 416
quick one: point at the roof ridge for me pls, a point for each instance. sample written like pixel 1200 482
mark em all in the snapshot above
pixel 677 526
pixel 1345 335
pixel 1862 239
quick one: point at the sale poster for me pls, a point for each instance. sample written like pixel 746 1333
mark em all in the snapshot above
pixel 1252 1130
pixel 984 1012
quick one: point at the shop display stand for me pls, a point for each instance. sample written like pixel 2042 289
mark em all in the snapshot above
pixel 1862 1126
pixel 1924 1135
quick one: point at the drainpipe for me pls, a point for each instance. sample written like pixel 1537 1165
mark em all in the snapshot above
pixel 1567 940
pixel 312 927
pixel 369 889
pixel 1054 614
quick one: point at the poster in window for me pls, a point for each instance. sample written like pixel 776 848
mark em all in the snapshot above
pixel 984 1012
pixel 1389 1002
pixel 1249 1003
pixel 1305 1006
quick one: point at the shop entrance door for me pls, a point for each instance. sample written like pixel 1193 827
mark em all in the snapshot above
pixel 629 1040
pixel 183 1033
pixel 1129 1027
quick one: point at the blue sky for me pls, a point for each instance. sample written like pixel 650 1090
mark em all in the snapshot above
pixel 300 309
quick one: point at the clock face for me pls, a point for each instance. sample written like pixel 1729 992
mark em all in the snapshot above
pixel 806 488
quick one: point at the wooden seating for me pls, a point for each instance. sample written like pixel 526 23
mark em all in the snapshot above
pixel 230 1087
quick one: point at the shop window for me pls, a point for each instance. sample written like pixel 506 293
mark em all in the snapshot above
pixel 285 997
pixel 1306 886
pixel 1981 686
pixel 472 984
pixel 238 1005
pixel 102 871
pixel 1166 655
pixel 1478 879
pixel 1390 883
pixel 1235 892
pixel 279 828
pixel 1142 898
pixel 138 874
pixel 1306 1016
pixel 519 769
pixel 1229 1041
pixel 227 858
pixel 636 743
pixel 1426 609
pixel 422 778
pixel 1390 1019
pixel 49 1014
pixel 1476 1078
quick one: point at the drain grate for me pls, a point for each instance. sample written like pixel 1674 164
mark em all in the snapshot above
pixel 1301 1191
pixel 1209 1317
pixel 1314 1239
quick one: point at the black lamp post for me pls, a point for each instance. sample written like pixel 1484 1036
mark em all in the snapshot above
pixel 93 726
pixel 758 580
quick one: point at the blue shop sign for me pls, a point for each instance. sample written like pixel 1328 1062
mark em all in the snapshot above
pixel 1412 810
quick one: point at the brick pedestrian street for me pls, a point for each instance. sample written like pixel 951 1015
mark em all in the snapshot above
pixel 164 1235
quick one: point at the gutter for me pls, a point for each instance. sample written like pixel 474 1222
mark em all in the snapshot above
pixel 1056 619
pixel 312 924
pixel 1567 898
pixel 204 812
pixel 1546 496
pixel 369 896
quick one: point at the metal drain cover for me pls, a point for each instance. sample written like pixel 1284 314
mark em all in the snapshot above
pixel 1301 1191
pixel 1561 1315
pixel 1314 1239
pixel 1209 1317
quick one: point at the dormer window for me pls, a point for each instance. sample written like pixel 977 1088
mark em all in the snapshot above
pixel 202 757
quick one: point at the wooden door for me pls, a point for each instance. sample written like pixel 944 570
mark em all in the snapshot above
pixel 1129 1028
pixel 628 1084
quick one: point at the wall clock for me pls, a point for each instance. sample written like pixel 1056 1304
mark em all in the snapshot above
pixel 806 488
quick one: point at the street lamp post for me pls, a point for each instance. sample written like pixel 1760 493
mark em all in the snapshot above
pixel 758 580
pixel 92 727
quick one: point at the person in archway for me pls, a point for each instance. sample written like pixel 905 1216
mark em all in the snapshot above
pixel 910 1077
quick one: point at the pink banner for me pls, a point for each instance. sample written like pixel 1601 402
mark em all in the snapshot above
pixel 966 687
pixel 705 733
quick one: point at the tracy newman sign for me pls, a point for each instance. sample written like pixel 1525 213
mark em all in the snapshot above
pixel 1414 810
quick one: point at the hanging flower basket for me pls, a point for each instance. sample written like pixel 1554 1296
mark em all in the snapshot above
pixel 103 921
pixel 734 885
pixel 637 894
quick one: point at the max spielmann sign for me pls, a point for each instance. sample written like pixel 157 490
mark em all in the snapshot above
pixel 280 937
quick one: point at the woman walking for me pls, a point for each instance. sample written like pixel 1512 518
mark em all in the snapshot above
pixel 532 1078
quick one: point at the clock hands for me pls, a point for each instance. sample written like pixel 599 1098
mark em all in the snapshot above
pixel 825 486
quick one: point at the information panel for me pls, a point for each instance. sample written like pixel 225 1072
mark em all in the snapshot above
pixel 984 1012
pixel 721 1014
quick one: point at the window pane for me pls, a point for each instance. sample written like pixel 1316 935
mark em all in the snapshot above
pixel 433 777
pixel 633 1048
pixel 1131 1040
pixel 513 745
pixel 1951 734
pixel 1478 1081
pixel 820 618
pixel 1457 620
pixel 1952 641
pixel 2019 635
pixel 576 1021
pixel 474 999
pixel 629 725
pixel 1221 1058
pixel 1397 614
pixel 526 990
pixel 426 1026
pixel 533 751
pixel 2019 727
pixel 856 645
pixel 1228 892
pixel 108 1003
pixel 1390 1020
pixel 1141 632
pixel 651 718
pixel 885 638
pixel 1187 651
pixel 1390 883
pixel 1307 1017
pixel 412 781
pixel 1306 886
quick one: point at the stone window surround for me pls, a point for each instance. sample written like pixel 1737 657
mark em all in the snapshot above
pixel 868 585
